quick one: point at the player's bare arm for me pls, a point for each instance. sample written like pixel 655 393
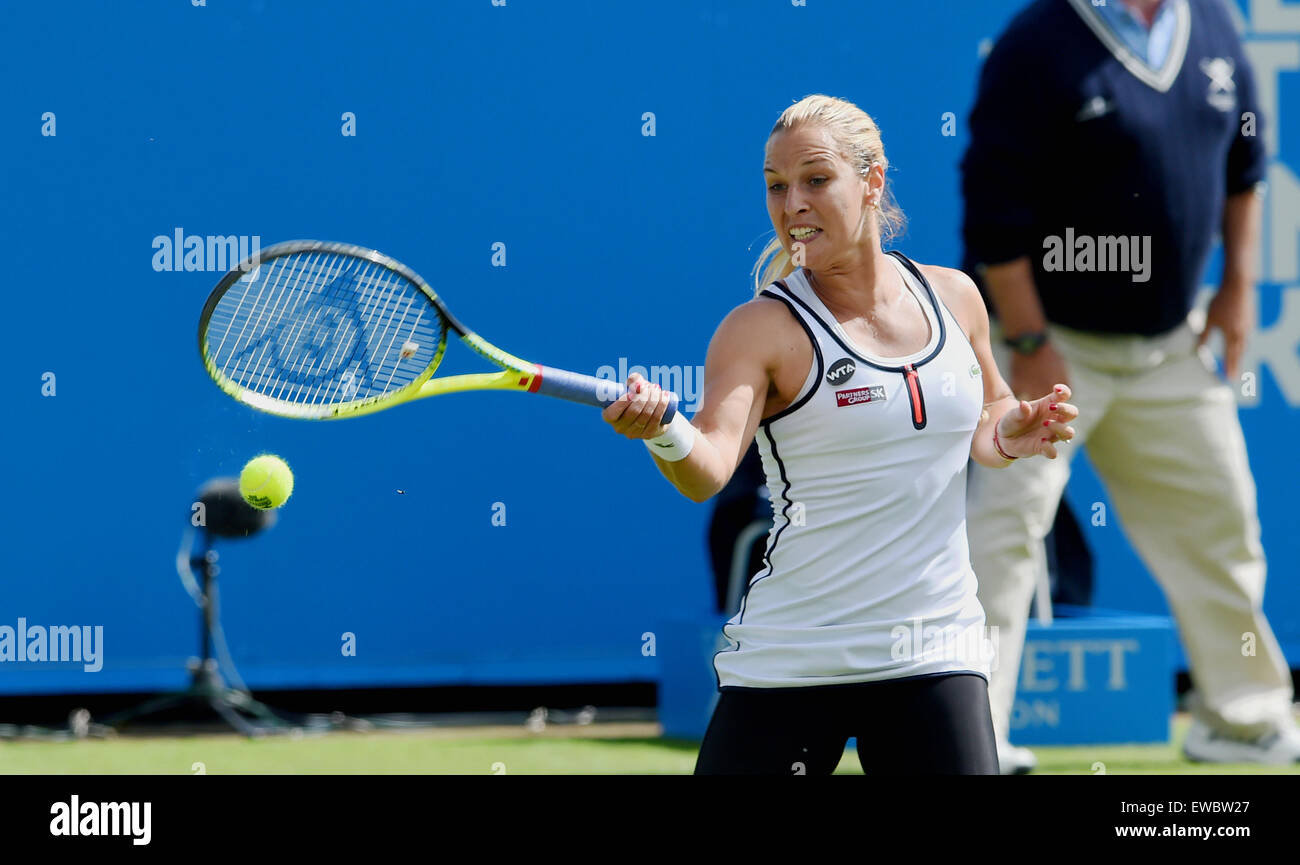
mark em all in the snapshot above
pixel 1024 427
pixel 747 376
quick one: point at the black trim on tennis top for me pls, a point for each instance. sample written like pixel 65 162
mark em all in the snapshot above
pixel 767 554
pixel 934 304
pixel 766 426
pixel 817 350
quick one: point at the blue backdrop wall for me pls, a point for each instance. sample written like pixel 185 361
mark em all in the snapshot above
pixel 526 125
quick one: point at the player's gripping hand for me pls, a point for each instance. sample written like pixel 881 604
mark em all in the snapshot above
pixel 1033 428
pixel 637 413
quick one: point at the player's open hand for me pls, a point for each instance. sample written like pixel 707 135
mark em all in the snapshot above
pixel 1033 428
pixel 637 413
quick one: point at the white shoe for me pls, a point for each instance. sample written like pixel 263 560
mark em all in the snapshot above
pixel 1015 761
pixel 1278 748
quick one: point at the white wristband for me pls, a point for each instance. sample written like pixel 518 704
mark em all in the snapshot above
pixel 676 443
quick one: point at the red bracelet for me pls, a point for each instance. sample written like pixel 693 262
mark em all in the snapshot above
pixel 998 445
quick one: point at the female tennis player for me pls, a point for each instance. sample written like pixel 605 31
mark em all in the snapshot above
pixel 869 381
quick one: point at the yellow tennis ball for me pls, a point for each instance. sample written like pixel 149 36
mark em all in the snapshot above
pixel 266 482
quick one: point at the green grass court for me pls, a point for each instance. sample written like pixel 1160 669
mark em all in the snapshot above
pixel 600 749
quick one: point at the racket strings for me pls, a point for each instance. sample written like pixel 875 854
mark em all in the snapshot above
pixel 313 330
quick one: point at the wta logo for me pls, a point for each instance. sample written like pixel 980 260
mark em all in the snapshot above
pixel 841 370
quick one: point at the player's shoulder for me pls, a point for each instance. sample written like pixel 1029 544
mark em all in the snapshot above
pixel 761 325
pixel 950 283
pixel 959 293
pixel 761 313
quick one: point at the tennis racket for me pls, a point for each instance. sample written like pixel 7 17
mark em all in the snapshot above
pixel 313 330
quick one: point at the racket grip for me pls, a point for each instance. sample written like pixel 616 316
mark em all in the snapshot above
pixel 588 390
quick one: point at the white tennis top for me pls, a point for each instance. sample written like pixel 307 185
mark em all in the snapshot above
pixel 867 573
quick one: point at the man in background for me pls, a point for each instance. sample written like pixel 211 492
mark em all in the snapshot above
pixel 1109 144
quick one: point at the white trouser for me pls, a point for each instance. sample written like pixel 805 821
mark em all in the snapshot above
pixel 1163 435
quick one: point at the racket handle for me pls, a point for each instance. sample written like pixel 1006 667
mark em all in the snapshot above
pixel 587 389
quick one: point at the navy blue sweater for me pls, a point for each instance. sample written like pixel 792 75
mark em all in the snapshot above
pixel 1068 143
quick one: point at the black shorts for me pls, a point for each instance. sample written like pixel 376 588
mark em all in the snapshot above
pixel 936 724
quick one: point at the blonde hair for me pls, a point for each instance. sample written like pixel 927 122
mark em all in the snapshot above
pixel 858 138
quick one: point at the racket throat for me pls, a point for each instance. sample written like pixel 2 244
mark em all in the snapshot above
pixel 532 383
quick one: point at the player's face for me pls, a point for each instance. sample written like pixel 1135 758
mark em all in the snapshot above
pixel 813 195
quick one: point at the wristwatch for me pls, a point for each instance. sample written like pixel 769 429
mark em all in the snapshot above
pixel 1027 343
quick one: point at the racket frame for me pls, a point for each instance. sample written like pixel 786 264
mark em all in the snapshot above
pixel 516 373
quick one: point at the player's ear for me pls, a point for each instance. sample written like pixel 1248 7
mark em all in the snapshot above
pixel 875 185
